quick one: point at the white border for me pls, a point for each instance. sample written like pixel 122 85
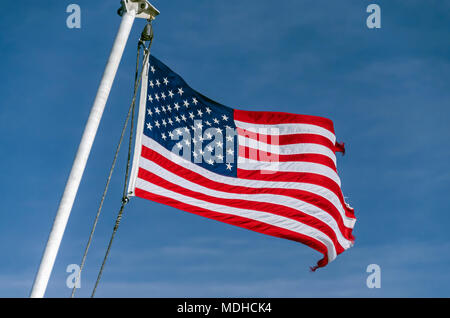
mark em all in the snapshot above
pixel 139 129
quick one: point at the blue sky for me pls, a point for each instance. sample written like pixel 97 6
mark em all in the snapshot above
pixel 387 91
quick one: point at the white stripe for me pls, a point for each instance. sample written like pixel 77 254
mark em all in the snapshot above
pixel 296 204
pixel 289 166
pixel 312 188
pixel 287 129
pixel 291 149
pixel 264 217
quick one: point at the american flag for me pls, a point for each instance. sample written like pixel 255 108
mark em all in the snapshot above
pixel 270 172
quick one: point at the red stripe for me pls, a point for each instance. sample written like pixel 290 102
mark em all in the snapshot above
pixel 288 139
pixel 259 155
pixel 303 177
pixel 247 205
pixel 194 177
pixel 339 147
pixel 274 118
pixel 242 222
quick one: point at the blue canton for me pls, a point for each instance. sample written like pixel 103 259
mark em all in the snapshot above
pixel 188 123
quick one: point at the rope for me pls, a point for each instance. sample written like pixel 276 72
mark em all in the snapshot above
pixel 125 198
pixel 131 111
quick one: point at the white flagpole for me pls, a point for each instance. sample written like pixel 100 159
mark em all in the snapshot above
pixel 130 10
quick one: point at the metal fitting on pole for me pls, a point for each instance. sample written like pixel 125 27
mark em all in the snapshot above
pixel 143 9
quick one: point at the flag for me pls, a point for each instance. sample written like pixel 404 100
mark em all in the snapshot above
pixel 270 172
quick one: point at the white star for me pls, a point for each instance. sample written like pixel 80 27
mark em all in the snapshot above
pixel 215 120
pixel 194 100
pixel 164 122
pixel 176 106
pixel 150 98
pixel 149 126
pixel 218 130
pixel 179 145
pixel 170 134
pixel 177 119
pixel 183 117
pixel 209 148
pixel 220 157
pixel 230 151
pixel 229 138
pixel 191 115
pixel 169 108
pixel 199 125
pixel 186 129
pixel 208 110
pixel 152 69
pixel 163 136
pixel 200 138
pixel 151 84
pixel 178 131
pixel 224 117
pixel 186 103
pixel 163 108
pixel 187 142
pixel 208 123
pixel 199 112
pixel 170 121
pixel 149 111
pixel 157 83
pixel 170 94
pixel 228 166
pixel 157 123
pixel 163 96
pixel 165 81
pixel 210 161
pixel 208 135
pixel 219 144
pixel 157 97
pixel 180 91
pixel 195 154
pixel 157 110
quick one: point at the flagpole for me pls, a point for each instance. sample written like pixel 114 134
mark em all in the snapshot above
pixel 130 10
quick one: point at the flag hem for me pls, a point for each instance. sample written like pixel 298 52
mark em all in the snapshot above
pixel 139 130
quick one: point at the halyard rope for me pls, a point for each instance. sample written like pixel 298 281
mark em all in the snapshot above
pixel 125 199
